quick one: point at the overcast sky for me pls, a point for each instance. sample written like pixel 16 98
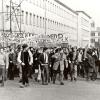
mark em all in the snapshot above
pixel 91 7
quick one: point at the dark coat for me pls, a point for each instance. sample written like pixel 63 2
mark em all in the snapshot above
pixel 91 61
pixel 36 61
pixel 12 58
pixel 41 59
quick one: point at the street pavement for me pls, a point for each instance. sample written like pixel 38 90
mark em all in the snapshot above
pixel 80 90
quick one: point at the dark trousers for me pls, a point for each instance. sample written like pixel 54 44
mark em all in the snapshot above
pixel 2 74
pixel 86 66
pixel 30 71
pixel 45 74
pixel 71 70
pixel 60 76
pixel 25 74
pixel 11 71
pixel 50 73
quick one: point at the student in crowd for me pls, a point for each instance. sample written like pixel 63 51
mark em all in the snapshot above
pixel 25 58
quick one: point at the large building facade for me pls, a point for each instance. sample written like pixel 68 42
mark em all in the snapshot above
pixel 95 37
pixel 84 29
pixel 45 17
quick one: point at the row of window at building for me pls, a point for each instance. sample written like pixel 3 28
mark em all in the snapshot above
pixel 85 32
pixel 39 21
pixel 95 40
pixel 84 22
pixel 95 33
pixel 54 8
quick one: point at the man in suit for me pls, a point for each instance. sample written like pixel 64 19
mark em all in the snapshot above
pixel 44 66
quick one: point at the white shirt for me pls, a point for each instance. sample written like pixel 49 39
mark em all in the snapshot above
pixel 45 57
pixel 30 54
pixel 79 57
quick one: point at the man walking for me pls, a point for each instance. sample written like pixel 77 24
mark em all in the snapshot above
pixel 44 66
pixel 25 59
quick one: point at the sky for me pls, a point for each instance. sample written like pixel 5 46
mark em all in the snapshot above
pixel 91 7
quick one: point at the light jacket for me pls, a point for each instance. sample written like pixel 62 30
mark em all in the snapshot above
pixel 2 59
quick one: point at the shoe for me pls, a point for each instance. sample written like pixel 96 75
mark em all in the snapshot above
pixel 2 84
pixel 38 81
pixel 27 84
pixel 71 80
pixel 43 83
pixel 75 79
pixel 46 84
pixel 22 86
pixel 53 82
pixel 30 77
pixel 61 83
pixel 20 80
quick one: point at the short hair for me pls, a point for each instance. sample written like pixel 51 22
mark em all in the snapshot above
pixel 24 46
pixel 44 49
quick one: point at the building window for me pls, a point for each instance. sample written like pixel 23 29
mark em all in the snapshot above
pixel 55 9
pixel 48 23
pixel 51 7
pixel 7 10
pixel 37 21
pixel 48 6
pixel 22 17
pixel 84 22
pixel 35 1
pixel 33 19
pixel 43 22
pixel 40 21
pixel 18 17
pixel 40 3
pixel 26 18
pixel 31 1
pixel 30 19
pixel 99 34
pixel 92 34
pixel 99 41
pixel 57 25
pixel 92 40
pixel 53 25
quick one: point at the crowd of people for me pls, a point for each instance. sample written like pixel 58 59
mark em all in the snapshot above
pixel 45 64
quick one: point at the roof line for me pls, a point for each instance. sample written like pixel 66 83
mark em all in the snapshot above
pixel 85 13
pixel 95 31
pixel 66 6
